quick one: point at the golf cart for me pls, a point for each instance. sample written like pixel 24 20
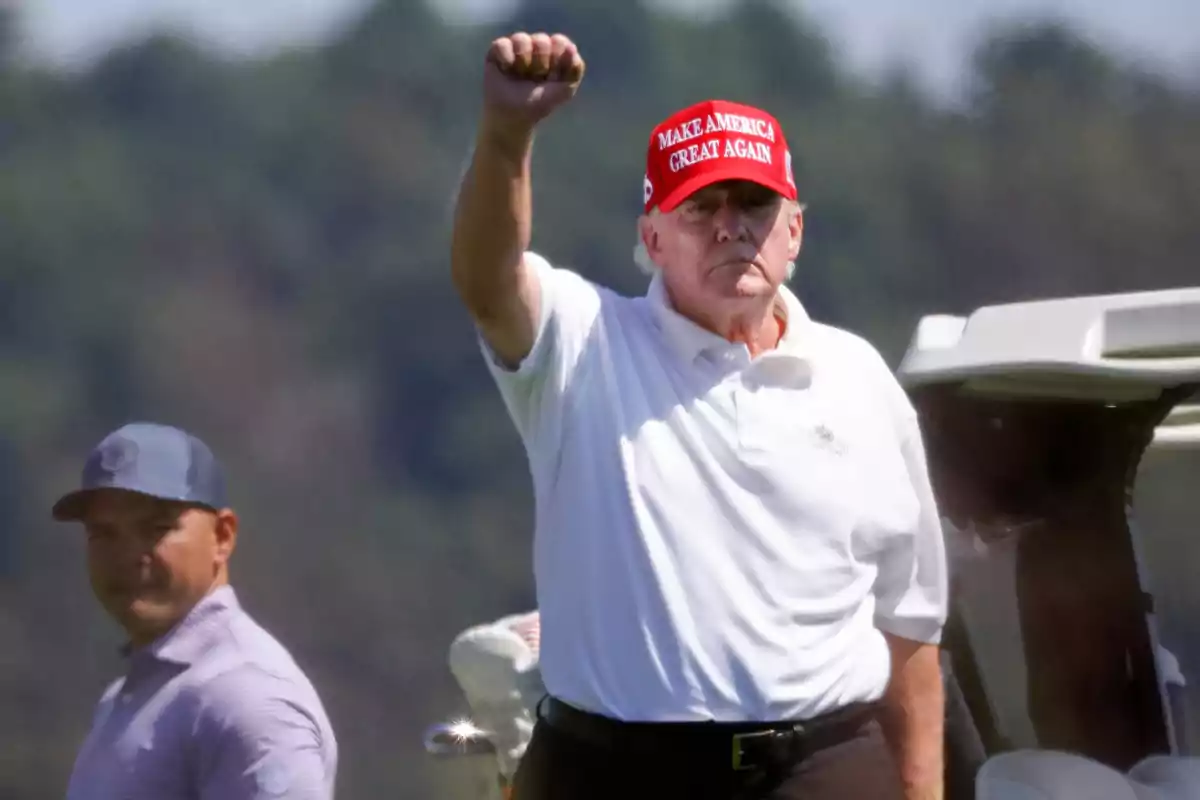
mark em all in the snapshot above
pixel 1036 416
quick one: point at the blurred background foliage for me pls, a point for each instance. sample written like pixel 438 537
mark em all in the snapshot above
pixel 257 251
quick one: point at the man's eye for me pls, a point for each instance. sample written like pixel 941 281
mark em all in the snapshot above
pixel 757 202
pixel 153 529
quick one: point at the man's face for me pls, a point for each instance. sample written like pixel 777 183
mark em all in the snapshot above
pixel 150 561
pixel 726 243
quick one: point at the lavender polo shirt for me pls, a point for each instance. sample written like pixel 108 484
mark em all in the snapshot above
pixel 214 710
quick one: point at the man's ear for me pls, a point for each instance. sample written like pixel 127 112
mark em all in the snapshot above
pixel 649 236
pixel 795 230
pixel 227 533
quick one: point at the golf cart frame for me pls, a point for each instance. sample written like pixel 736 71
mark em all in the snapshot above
pixel 1036 417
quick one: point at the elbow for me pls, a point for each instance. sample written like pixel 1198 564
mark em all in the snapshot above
pixel 481 274
pixel 485 295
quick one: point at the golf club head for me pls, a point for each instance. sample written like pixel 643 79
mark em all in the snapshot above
pixel 458 738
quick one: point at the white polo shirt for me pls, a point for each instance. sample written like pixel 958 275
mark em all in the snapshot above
pixel 718 537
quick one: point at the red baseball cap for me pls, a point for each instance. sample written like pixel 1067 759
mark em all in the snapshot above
pixel 712 141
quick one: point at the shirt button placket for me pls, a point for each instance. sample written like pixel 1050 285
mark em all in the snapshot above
pixel 752 428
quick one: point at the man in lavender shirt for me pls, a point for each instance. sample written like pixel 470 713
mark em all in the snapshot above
pixel 211 707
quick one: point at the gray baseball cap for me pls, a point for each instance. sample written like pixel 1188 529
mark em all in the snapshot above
pixel 151 459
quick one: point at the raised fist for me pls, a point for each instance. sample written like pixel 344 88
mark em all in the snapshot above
pixel 527 76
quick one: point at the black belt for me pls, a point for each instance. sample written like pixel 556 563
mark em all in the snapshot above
pixel 751 744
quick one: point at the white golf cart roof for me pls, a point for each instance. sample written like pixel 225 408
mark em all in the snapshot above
pixel 1111 348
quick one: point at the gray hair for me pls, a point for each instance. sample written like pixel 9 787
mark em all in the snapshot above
pixel 641 256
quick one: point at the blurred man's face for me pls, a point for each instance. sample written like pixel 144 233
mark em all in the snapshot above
pixel 150 561
pixel 726 245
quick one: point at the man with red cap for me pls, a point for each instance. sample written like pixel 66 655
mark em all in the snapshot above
pixel 739 562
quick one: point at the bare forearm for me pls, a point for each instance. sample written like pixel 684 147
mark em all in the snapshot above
pixel 525 78
pixel 493 221
pixel 914 717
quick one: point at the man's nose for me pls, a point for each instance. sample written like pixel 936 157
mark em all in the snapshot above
pixel 729 224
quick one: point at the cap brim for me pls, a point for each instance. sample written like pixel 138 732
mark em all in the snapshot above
pixel 70 506
pixel 730 173
pixel 73 506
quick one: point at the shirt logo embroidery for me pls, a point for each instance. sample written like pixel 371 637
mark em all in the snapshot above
pixel 117 455
pixel 825 439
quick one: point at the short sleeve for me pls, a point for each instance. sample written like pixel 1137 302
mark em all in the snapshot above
pixel 258 740
pixel 912 594
pixel 569 311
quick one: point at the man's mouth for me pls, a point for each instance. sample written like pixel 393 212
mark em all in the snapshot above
pixel 128 591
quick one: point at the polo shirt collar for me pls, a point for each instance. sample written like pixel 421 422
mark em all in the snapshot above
pixel 691 341
pixel 195 634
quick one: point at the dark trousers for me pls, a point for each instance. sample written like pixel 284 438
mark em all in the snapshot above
pixel 683 761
